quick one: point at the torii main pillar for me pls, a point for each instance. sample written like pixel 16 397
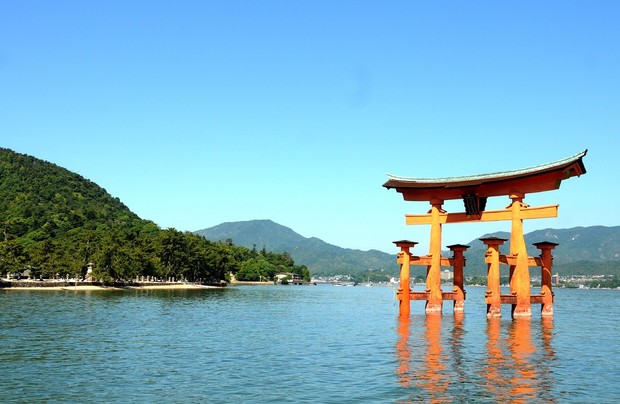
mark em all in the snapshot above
pixel 520 272
pixel 433 278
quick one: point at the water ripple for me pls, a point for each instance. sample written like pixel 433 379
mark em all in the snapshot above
pixel 299 344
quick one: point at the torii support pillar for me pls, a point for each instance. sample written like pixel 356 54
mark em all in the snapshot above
pixel 492 296
pixel 546 264
pixel 404 292
pixel 458 264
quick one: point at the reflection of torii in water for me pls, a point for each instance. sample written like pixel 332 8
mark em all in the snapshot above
pixel 474 191
pixel 514 366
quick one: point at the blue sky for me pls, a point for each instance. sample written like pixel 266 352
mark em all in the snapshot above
pixel 195 113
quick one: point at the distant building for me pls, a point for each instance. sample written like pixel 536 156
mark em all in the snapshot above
pixel 25 274
pixel 446 275
pixel 291 278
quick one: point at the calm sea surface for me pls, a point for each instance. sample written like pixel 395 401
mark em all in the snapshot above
pixel 301 344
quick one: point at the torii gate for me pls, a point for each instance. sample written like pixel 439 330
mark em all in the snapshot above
pixel 474 191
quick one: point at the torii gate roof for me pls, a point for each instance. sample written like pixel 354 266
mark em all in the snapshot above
pixel 544 177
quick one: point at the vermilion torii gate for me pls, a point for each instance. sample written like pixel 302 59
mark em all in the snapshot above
pixel 474 191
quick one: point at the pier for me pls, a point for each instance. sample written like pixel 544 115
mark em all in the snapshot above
pixel 474 191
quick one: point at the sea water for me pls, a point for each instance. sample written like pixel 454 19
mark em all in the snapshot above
pixel 295 344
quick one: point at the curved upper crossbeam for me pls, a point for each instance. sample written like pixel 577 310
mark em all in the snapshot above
pixel 544 177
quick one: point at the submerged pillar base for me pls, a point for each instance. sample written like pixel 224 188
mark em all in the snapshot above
pixel 459 306
pixel 493 312
pixel 521 312
pixel 433 308
pixel 547 310
pixel 404 309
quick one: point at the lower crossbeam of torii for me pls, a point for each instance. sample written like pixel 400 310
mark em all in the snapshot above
pixel 474 191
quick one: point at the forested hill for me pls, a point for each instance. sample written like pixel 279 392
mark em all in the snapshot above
pixel 54 222
pixel 320 257
pixel 40 200
pixel 581 250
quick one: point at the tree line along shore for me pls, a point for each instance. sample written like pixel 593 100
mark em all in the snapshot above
pixel 55 224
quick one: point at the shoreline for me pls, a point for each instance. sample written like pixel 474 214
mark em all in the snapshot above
pixel 56 286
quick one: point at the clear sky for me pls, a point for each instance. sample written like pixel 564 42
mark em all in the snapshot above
pixel 195 113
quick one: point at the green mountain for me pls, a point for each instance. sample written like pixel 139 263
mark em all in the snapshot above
pixel 39 199
pixel 321 258
pixel 581 250
pixel 53 223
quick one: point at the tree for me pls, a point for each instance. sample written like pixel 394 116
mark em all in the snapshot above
pixel 13 258
pixel 256 269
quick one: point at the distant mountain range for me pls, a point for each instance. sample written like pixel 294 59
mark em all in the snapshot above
pixel 320 257
pixel 581 250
